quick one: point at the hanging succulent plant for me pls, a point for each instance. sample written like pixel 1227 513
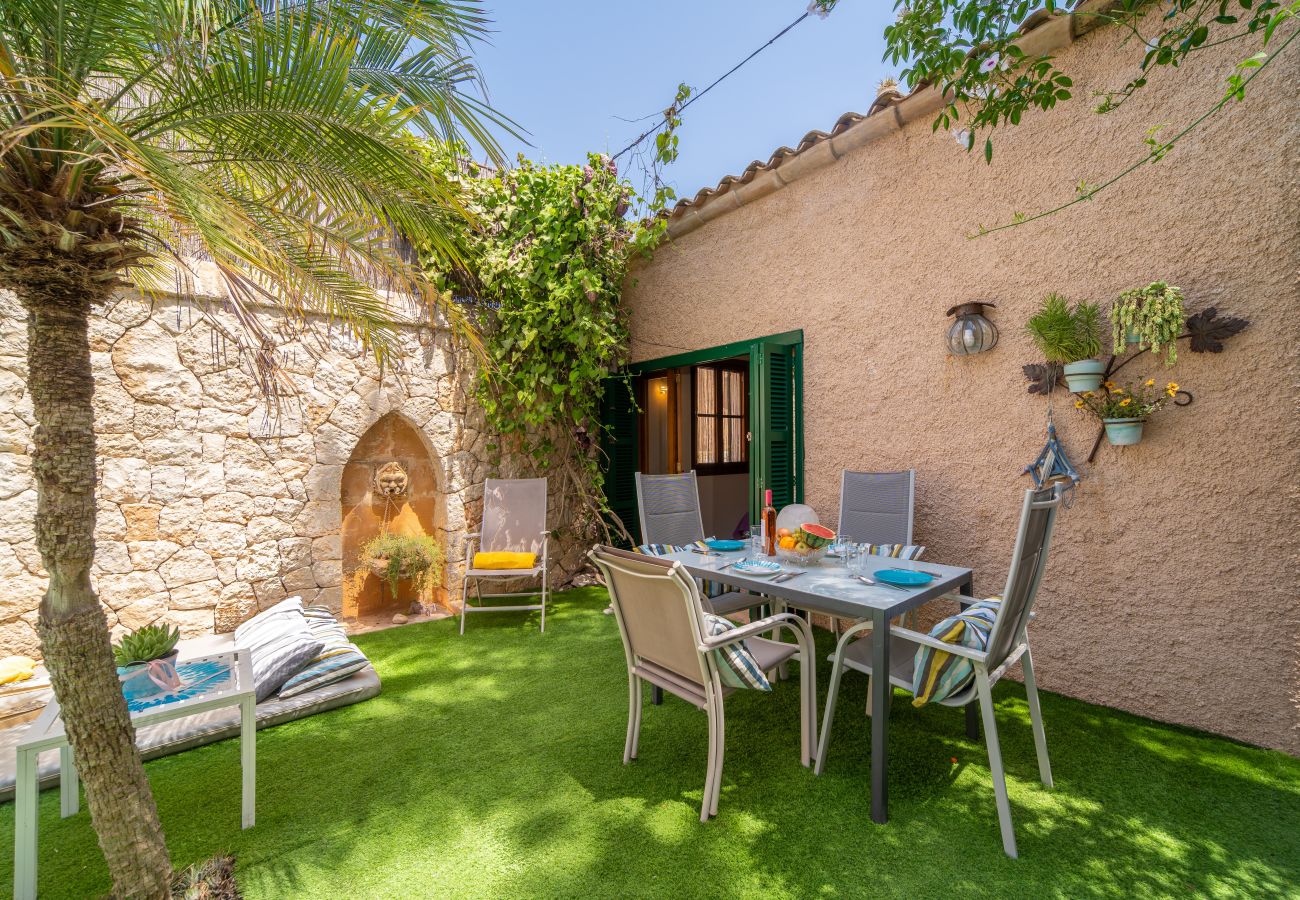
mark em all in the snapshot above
pixel 1152 316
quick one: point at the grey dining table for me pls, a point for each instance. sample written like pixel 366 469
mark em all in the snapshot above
pixel 828 587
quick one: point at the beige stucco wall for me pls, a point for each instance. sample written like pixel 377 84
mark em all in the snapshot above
pixel 1172 589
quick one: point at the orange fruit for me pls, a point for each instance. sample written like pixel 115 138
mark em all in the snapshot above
pixel 783 532
pixel 786 542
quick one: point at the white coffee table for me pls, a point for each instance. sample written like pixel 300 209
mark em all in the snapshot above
pixel 47 733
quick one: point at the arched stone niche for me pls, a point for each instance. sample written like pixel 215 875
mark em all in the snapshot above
pixel 365 511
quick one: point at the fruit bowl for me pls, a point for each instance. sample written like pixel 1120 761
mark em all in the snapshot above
pixel 802 557
pixel 806 544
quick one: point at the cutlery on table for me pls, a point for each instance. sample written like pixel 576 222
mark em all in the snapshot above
pixel 786 576
pixel 735 563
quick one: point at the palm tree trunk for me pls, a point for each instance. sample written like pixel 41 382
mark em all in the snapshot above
pixel 72 627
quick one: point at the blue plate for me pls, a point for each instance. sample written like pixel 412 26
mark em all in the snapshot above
pixel 716 544
pixel 758 568
pixel 903 577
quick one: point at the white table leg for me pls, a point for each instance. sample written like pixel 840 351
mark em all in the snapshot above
pixel 69 783
pixel 248 759
pixel 26 798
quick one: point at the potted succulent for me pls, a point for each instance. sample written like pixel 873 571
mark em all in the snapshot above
pixel 1124 409
pixel 1150 316
pixel 393 557
pixel 1069 335
pixel 146 661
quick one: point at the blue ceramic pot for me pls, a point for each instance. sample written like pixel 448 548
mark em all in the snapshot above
pixel 1084 375
pixel 1123 432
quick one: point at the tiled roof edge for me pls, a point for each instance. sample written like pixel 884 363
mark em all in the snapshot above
pixel 1041 32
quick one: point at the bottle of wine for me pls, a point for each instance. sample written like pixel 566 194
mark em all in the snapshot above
pixel 769 524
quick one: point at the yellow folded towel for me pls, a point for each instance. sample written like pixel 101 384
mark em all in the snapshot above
pixel 16 668
pixel 504 560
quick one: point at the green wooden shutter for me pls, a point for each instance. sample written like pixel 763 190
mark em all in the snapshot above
pixel 618 443
pixel 776 452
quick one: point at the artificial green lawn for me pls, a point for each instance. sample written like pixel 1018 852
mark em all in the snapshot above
pixel 491 766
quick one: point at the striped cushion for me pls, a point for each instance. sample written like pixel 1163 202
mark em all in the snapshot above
pixel 338 658
pixel 896 551
pixel 938 674
pixel 279 644
pixel 736 665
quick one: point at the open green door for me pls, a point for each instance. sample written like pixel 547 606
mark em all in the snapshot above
pixel 776 424
pixel 619 442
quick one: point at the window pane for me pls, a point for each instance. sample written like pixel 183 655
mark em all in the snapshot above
pixel 705 391
pixel 733 395
pixel 706 450
pixel 733 440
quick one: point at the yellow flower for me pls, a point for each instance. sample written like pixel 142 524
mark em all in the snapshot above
pixel 1078 404
pixel 1108 385
pixel 1150 382
pixel 1118 390
pixel 1087 393
pixel 1172 386
pixel 1125 402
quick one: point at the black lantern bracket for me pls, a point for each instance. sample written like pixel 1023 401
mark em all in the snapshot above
pixel 1206 331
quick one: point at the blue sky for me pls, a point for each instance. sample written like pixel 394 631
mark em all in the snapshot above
pixel 565 70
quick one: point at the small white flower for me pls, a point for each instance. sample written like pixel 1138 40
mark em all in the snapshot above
pixel 820 8
pixel 991 63
pixel 963 137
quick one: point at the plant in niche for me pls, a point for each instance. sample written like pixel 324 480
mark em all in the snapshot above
pixel 1151 316
pixel 1069 335
pixel 146 644
pixel 397 556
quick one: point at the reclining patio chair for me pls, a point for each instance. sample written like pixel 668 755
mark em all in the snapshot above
pixel 514 522
pixel 669 508
pixel 668 642
pixel 1007 643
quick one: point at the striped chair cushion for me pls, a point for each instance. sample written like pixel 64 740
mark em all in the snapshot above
pixel 736 665
pixel 338 658
pixel 937 674
pixel 896 551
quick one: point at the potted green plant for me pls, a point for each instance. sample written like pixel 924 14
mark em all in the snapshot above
pixel 1150 316
pixel 1123 409
pixel 393 557
pixel 1069 335
pixel 146 661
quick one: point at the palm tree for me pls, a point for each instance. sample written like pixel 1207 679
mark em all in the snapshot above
pixel 267 136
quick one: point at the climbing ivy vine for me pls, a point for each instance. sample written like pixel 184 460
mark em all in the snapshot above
pixel 545 266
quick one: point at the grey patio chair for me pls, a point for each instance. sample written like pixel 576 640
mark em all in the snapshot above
pixel 876 508
pixel 661 618
pixel 514 520
pixel 1008 643
pixel 669 509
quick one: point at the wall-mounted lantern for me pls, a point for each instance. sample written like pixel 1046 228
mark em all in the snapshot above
pixel 972 332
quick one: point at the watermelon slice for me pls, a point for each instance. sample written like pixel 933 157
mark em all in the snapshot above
pixel 815 536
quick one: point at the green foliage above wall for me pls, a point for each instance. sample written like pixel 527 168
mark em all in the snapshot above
pixel 546 264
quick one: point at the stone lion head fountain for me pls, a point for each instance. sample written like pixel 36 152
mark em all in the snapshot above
pixel 391 481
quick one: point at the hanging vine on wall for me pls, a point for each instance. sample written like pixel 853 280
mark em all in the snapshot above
pixel 547 262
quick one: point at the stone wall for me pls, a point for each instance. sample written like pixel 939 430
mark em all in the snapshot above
pixel 1172 586
pixel 214 500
